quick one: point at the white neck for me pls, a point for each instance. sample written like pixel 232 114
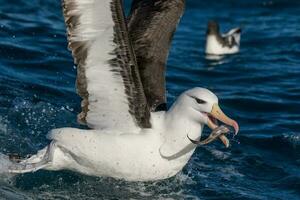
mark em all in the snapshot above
pixel 179 124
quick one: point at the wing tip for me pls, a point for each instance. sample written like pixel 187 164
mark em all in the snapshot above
pixel 238 30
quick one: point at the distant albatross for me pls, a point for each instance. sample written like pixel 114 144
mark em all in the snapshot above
pixel 122 84
pixel 221 44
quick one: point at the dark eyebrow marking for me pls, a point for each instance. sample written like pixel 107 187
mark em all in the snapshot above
pixel 199 101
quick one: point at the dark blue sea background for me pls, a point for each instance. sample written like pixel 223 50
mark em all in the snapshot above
pixel 259 87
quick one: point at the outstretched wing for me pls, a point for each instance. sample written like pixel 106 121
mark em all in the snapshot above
pixel 152 24
pixel 107 75
pixel 233 37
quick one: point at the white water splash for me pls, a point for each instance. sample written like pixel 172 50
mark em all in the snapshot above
pixel 5 163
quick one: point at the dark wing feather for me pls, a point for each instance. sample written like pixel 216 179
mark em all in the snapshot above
pixel 152 24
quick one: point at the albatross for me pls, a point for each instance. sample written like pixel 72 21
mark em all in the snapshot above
pixel 120 77
pixel 221 44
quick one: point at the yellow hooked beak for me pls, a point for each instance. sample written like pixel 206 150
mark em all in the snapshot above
pixel 217 114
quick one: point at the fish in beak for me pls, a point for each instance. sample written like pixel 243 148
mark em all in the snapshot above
pixel 218 132
pixel 216 115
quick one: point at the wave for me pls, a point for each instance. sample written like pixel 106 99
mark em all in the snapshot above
pixel 287 144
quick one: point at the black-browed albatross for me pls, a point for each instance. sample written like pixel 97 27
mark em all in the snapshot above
pixel 221 44
pixel 122 83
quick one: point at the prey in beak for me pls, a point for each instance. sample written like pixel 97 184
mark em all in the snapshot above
pixel 217 114
pixel 214 116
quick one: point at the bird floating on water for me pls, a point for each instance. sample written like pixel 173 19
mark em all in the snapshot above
pixel 221 44
pixel 121 79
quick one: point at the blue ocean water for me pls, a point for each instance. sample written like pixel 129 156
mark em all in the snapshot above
pixel 259 87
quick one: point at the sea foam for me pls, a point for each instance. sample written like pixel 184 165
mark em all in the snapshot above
pixel 5 163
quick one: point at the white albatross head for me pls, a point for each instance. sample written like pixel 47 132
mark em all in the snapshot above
pixel 185 120
pixel 203 107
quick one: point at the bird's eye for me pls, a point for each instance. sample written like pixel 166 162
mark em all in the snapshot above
pixel 200 101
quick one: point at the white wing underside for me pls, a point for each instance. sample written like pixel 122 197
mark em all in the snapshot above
pixel 108 106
